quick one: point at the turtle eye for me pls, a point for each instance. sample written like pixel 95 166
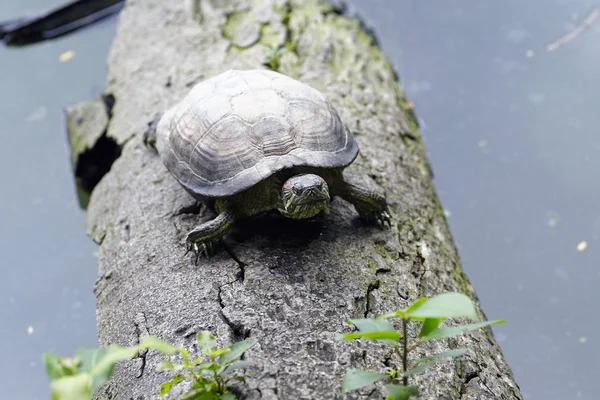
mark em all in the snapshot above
pixel 296 190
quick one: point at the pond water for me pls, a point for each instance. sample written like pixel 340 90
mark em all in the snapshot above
pixel 511 130
pixel 48 263
pixel 512 134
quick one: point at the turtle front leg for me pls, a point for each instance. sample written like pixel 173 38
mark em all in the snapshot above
pixel 203 238
pixel 370 205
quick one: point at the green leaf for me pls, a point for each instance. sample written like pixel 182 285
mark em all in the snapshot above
pixel 228 396
pixel 418 370
pixel 443 333
pixel 425 362
pixel 166 387
pixel 203 383
pixel 450 353
pixel 445 305
pixel 197 361
pixel 102 365
pixel 390 315
pixel 356 378
pixel 401 392
pixel 152 342
pixel 75 387
pixel 100 362
pixel 236 365
pixel 429 325
pixel 390 336
pixel 371 325
pixel 368 325
pixel 56 366
pixel 201 394
pixel 207 341
pixel 239 378
pixel 208 366
pixel 418 303
pixel 236 351
pixel 166 365
pixel 90 357
pixel 217 353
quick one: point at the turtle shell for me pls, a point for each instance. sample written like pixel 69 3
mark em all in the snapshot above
pixel 236 129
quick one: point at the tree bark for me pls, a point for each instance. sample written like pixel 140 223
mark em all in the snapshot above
pixel 291 285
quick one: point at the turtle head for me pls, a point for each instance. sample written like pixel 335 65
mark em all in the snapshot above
pixel 304 196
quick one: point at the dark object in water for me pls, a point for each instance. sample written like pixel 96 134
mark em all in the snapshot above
pixel 66 19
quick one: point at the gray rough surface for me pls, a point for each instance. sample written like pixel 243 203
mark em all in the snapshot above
pixel 86 123
pixel 290 288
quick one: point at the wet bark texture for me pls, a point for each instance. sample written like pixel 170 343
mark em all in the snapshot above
pixel 291 285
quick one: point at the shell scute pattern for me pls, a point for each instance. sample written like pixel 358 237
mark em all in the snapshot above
pixel 201 91
pixel 260 81
pixel 273 134
pixel 258 103
pixel 224 152
pixel 311 124
pixel 292 89
pixel 237 128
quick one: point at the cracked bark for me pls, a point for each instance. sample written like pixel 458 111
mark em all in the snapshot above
pixel 290 284
pixel 141 331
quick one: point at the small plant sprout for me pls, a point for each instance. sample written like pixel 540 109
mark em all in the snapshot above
pixel 276 53
pixel 427 312
pixel 78 377
pixel 209 373
pixel 274 57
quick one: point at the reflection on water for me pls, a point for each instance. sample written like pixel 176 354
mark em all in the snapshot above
pixel 512 134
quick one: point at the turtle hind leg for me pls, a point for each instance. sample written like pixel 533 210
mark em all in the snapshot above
pixel 150 132
pixel 203 238
pixel 371 206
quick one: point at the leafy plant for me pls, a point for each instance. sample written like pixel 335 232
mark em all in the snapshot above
pixel 76 378
pixel 429 313
pixel 210 373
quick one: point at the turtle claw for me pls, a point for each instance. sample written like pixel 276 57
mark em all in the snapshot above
pixel 199 248
pixel 382 217
pixel 149 136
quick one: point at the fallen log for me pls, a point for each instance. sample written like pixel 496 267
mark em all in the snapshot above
pixel 290 285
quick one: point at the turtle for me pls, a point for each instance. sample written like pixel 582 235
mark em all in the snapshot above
pixel 248 142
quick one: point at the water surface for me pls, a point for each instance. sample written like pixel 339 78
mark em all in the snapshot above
pixel 47 261
pixel 512 132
